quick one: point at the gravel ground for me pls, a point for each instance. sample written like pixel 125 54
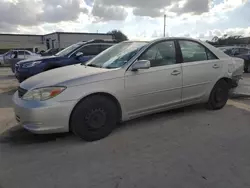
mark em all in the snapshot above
pixel 189 147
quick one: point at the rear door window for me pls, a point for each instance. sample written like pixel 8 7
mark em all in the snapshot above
pixel 193 51
pixel 21 54
pixel 26 53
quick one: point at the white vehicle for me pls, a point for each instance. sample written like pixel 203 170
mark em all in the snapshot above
pixel 11 57
pixel 126 81
pixel 1 59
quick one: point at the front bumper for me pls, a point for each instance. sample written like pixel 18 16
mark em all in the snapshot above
pixel 43 117
pixel 22 75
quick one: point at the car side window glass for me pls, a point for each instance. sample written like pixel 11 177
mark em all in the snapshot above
pixel 89 50
pixel 104 47
pixel 192 51
pixel 26 53
pixel 14 54
pixel 21 53
pixel 210 55
pixel 160 54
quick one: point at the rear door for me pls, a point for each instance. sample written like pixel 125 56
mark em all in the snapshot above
pixel 200 68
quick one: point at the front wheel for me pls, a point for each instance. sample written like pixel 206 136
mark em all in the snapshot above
pixel 218 96
pixel 94 118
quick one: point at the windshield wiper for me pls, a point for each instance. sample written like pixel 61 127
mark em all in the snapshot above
pixel 93 65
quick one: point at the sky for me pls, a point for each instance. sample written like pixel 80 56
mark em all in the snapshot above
pixel 138 19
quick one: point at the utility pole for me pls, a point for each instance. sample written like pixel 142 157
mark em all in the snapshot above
pixel 164 32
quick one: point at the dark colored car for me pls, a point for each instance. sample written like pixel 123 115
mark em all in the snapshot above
pixel 80 52
pixel 240 52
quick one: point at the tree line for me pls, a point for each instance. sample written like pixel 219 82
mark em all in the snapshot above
pixel 228 40
pixel 118 35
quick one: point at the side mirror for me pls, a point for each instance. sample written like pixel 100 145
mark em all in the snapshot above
pixel 141 64
pixel 79 54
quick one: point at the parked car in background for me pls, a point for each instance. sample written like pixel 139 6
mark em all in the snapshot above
pixel 11 57
pixel 50 52
pixel 240 52
pixel 126 81
pixel 77 53
pixel 1 59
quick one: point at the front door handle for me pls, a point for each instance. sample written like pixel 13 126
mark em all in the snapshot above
pixel 176 72
pixel 215 66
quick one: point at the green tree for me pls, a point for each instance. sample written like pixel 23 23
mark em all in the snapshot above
pixel 118 35
pixel 226 40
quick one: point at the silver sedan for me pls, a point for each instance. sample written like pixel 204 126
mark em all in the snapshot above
pixel 129 80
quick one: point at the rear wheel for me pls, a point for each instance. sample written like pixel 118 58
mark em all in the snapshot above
pixel 246 66
pixel 219 95
pixel 94 118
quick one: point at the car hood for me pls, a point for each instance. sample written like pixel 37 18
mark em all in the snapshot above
pixel 65 76
pixel 38 58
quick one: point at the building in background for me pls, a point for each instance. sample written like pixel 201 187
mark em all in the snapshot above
pixel 43 42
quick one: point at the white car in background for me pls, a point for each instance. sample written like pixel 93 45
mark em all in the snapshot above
pixel 11 57
pixel 1 59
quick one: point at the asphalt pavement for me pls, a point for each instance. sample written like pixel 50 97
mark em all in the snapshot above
pixel 190 147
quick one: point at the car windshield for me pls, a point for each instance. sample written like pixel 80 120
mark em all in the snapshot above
pixel 69 49
pixel 117 55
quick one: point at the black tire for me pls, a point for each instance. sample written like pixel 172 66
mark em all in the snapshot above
pixel 246 66
pixel 218 96
pixel 94 118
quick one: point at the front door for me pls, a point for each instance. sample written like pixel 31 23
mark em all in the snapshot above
pixel 200 69
pixel 159 86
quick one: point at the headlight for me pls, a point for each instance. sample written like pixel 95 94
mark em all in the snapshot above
pixel 31 64
pixel 42 94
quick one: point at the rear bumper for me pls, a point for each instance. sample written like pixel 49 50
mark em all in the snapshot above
pixel 235 80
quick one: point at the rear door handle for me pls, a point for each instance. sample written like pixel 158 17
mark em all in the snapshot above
pixel 215 66
pixel 176 72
